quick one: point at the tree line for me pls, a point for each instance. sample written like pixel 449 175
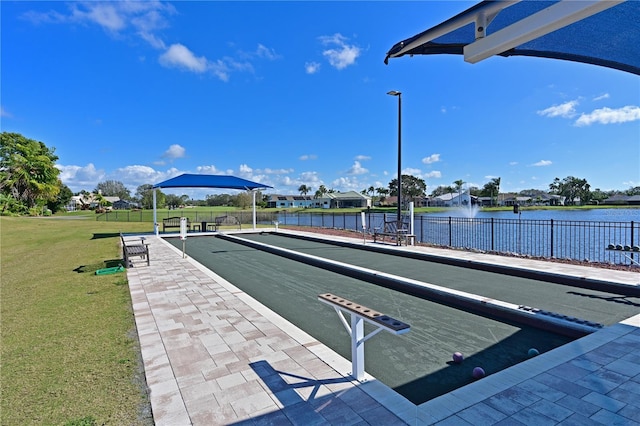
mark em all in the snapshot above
pixel 30 184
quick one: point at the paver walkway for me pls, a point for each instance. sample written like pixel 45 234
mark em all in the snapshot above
pixel 213 355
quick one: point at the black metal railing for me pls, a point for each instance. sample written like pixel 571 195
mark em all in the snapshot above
pixel 562 239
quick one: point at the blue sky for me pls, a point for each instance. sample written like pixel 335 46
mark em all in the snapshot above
pixel 292 93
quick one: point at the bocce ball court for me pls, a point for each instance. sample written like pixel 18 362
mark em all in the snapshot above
pixel 287 273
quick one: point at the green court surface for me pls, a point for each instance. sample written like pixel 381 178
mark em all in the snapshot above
pixel 418 365
pixel 597 306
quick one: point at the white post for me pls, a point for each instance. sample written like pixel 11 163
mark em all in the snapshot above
pixel 155 215
pixel 411 227
pixel 253 193
pixel 183 234
pixel 364 228
pixel 357 347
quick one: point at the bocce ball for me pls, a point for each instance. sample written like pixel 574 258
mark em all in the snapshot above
pixel 478 373
pixel 458 357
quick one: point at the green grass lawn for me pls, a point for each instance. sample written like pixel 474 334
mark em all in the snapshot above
pixel 69 348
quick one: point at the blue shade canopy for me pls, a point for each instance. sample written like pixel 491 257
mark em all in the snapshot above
pixel 210 181
pixel 599 32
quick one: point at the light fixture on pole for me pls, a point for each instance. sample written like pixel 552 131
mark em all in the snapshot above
pixel 399 95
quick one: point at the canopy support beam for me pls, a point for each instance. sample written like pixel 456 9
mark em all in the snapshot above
pixel 558 16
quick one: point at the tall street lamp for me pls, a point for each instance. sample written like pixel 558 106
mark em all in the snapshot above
pixel 399 95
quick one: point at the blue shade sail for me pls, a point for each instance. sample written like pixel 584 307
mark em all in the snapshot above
pixel 210 181
pixel 608 38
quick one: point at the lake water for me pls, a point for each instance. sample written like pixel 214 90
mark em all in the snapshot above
pixel 568 233
pixel 596 215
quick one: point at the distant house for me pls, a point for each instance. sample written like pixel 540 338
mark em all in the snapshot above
pixel 453 199
pixel 333 200
pixel 623 200
pixel 107 200
pixel 341 200
pixel 125 205
pixel 87 201
pixel 551 200
pixel 486 201
pixel 291 201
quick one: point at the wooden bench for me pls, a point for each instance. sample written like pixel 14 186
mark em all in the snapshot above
pixel 134 248
pixel 174 222
pixel 391 229
pixel 224 221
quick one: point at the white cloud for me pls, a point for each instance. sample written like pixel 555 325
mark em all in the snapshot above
pixel 179 56
pixel 212 170
pixel 4 113
pixel 78 178
pixel 287 181
pixel 434 174
pixel 174 151
pixel 219 69
pixel 311 67
pixel 287 184
pixel 266 52
pixel 609 116
pixel 357 169
pixel 542 163
pixel 343 54
pixel 347 184
pixel 601 97
pixel 433 158
pixel 144 17
pixel 236 65
pixel 362 157
pixel 308 157
pixel 277 171
pixel 413 172
pixel 261 51
pixel 444 109
pixel 565 110
pixel 104 14
pixel 311 177
pixel 513 163
pixel 136 175
pixel 153 40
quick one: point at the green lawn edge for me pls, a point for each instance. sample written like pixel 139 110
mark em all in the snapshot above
pixel 69 351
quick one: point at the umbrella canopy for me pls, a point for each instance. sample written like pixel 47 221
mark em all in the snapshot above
pixel 210 181
pixel 187 180
pixel 599 32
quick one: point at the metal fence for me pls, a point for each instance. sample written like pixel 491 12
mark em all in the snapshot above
pixel 562 239
pixel 245 217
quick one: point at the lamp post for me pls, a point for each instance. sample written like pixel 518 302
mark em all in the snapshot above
pixel 399 95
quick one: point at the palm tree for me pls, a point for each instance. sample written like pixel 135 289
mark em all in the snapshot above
pixel 321 191
pixel 99 198
pixel 459 183
pixel 496 185
pixel 304 189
